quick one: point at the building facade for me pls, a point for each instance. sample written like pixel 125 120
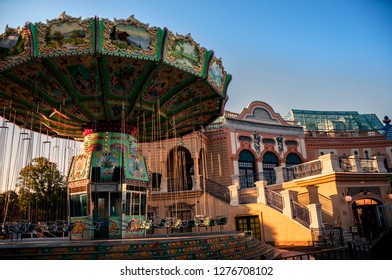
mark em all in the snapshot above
pixel 252 168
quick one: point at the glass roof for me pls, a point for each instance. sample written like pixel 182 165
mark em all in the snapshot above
pixel 333 120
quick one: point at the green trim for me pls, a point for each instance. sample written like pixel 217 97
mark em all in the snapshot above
pixel 207 60
pixel 94 36
pixel 34 35
pixel 226 85
pixel 160 44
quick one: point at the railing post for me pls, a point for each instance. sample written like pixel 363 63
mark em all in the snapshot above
pixel 260 186
pixel 329 163
pixel 316 218
pixel 235 179
pixel 288 196
pixel 380 167
pixel 355 163
pixel 234 199
pixel 163 184
pixel 279 173
pixel 196 182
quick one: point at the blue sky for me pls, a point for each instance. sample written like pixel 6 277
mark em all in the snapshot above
pixel 332 55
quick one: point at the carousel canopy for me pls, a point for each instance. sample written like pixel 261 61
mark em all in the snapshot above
pixel 72 76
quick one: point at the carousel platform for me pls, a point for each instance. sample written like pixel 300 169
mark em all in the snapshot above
pixel 219 246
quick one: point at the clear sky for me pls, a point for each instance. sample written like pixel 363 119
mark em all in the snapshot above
pixel 332 55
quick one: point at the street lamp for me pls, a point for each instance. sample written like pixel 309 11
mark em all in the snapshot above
pixel 347 197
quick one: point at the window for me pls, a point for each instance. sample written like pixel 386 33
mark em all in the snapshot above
pixel 78 204
pixel 135 204
pixel 293 159
pixel 270 161
pixel 366 154
pixel 246 165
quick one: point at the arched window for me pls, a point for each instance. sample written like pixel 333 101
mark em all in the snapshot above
pixel 179 165
pixel 246 165
pixel 293 159
pixel 367 154
pixel 270 161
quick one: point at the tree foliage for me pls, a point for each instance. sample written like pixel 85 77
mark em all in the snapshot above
pixel 42 191
pixel 9 206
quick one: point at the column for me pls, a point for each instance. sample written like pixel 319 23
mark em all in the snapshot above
pixel 260 186
pixel 313 194
pixel 279 174
pixel 196 176
pixel 288 196
pixel 316 219
pixel 234 199
pixel 329 163
pixel 380 167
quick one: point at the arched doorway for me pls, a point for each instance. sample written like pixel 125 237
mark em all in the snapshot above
pixel 270 161
pixel 366 217
pixel 179 168
pixel 246 165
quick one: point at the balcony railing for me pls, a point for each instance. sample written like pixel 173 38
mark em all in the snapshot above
pixel 248 181
pixel 367 165
pixel 304 170
pixel 345 164
pixel 342 134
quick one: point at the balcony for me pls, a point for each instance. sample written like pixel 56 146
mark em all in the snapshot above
pixel 328 164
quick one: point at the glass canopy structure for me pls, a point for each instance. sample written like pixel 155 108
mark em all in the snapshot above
pixel 333 120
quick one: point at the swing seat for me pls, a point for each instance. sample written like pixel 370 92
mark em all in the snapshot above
pixel 161 224
pixel 205 222
pixel 221 221
pixel 147 224
pixel 177 224
pixel 190 223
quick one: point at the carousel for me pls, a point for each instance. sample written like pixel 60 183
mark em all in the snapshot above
pixel 113 86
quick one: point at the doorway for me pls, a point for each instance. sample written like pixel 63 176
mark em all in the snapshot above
pixel 366 218
pixel 249 223
pixel 101 214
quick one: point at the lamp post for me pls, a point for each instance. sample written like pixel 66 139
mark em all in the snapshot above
pixel 347 197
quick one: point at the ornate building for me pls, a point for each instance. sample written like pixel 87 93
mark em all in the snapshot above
pixel 281 181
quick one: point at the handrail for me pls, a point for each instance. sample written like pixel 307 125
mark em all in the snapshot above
pixel 300 212
pixel 216 189
pixel 274 199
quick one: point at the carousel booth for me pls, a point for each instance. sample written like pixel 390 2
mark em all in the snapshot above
pixel 107 187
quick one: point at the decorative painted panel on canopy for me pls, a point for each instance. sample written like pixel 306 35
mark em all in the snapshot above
pixel 72 74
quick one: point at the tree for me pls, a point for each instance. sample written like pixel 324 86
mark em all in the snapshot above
pixel 42 191
pixel 9 206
